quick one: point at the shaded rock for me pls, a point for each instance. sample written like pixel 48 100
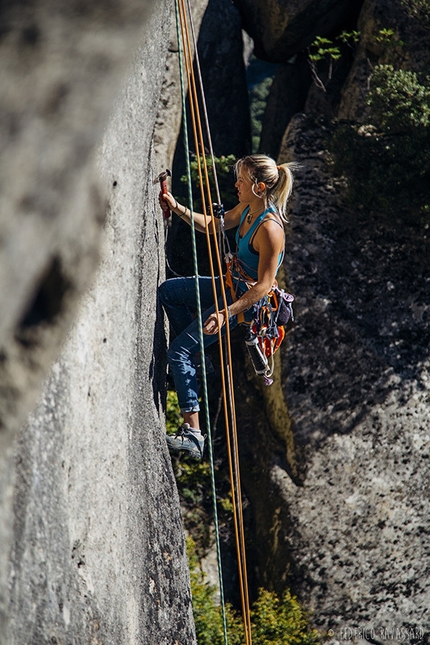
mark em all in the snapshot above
pixel 406 49
pixel 220 47
pixel 351 532
pixel 281 29
pixel 218 26
pixel 287 97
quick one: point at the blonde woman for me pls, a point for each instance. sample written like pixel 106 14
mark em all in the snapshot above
pixel 263 190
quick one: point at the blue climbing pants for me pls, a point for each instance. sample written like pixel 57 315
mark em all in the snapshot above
pixel 178 297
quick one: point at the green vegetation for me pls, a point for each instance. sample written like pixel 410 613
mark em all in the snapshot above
pixel 323 48
pixel 327 51
pixel 387 161
pixel 419 9
pixel 400 103
pixel 260 75
pixel 275 621
pixel 224 166
pixel 173 414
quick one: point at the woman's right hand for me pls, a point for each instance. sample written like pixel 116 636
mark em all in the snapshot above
pixel 214 323
pixel 167 198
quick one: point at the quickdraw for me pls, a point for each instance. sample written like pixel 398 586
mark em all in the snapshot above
pixel 267 330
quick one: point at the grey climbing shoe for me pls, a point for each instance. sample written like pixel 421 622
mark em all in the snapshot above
pixel 186 441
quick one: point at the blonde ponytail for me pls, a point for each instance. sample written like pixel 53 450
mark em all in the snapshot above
pixel 281 192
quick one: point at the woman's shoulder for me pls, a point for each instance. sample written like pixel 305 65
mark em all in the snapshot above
pixel 271 219
pixel 270 229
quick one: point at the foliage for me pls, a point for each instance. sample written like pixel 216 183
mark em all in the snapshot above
pixel 223 167
pixel 173 415
pixel 385 36
pixel 350 38
pixel 328 51
pixel 260 75
pixel 280 620
pixel 419 9
pixel 193 478
pixel 323 48
pixel 387 161
pixel 207 615
pixel 274 621
pixel 399 101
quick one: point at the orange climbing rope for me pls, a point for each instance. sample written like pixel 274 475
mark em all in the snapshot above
pixel 196 91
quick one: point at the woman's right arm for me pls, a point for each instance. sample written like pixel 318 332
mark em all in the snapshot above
pixel 184 213
pixel 231 217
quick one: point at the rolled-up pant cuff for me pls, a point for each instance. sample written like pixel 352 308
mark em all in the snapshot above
pixel 195 408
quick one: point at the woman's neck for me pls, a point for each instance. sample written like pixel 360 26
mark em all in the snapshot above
pixel 255 208
pixel 256 204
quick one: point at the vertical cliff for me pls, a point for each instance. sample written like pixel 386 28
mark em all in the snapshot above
pixel 92 544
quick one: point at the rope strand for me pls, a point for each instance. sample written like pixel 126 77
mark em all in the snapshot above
pixel 202 353
pixel 226 370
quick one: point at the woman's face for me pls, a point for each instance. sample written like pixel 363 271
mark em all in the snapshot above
pixel 244 187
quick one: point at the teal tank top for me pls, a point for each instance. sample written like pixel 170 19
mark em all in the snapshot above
pixel 247 257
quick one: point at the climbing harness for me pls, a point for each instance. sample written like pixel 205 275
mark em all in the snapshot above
pixel 271 315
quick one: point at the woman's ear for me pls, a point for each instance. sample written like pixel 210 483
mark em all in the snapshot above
pixel 261 186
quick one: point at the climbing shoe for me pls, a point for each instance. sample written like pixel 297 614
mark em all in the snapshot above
pixel 185 440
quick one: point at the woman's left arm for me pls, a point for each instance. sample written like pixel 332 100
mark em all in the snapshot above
pixel 269 242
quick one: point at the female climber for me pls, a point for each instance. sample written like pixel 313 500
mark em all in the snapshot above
pixel 263 189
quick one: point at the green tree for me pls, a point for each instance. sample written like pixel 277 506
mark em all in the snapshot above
pixel 257 100
pixel 280 621
pixel 327 51
pixel 223 166
pixel 274 620
pixel 387 161
pixel 400 102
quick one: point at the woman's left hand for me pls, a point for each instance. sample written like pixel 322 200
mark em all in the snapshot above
pixel 214 323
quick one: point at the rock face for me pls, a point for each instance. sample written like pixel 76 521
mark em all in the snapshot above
pixel 223 72
pixel 287 97
pixel 91 540
pixel 351 530
pixel 281 29
pixel 357 386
